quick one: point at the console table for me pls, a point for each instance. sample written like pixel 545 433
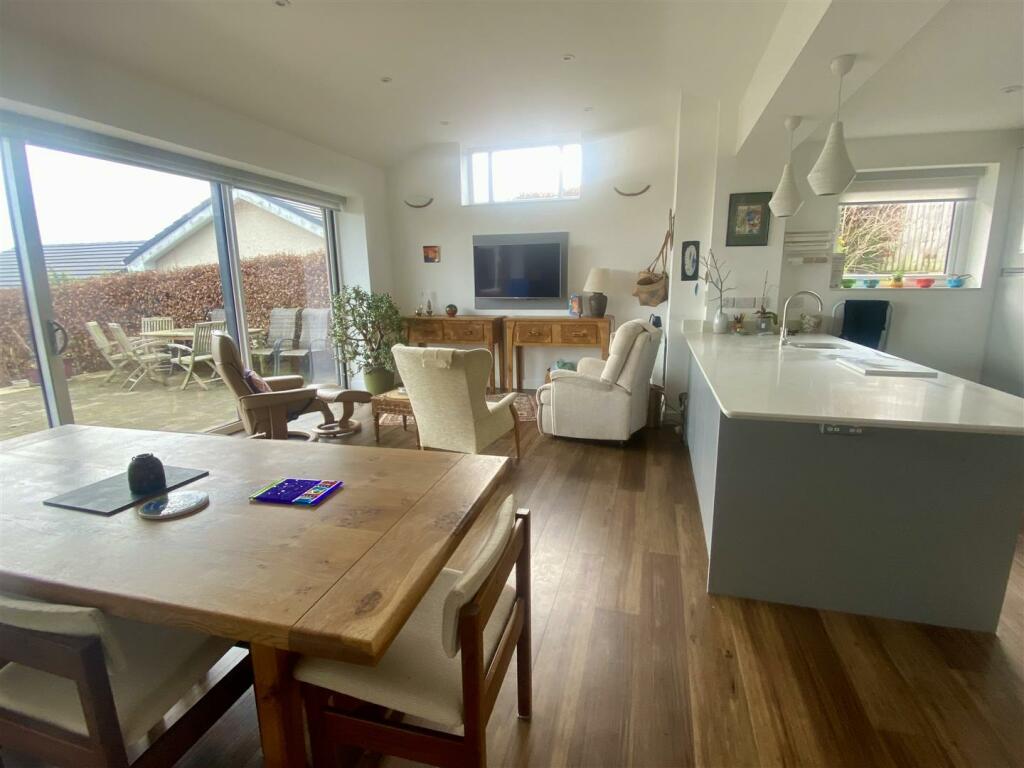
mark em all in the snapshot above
pixel 552 332
pixel 481 330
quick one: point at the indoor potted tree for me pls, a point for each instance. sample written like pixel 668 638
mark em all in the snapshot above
pixel 364 327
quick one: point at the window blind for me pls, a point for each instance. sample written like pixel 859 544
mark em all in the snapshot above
pixel 914 185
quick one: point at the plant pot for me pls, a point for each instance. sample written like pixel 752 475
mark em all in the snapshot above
pixel 765 324
pixel 721 322
pixel 848 283
pixel 378 380
pixel 870 282
pixel 924 282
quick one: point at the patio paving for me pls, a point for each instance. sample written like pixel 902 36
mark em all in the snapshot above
pixel 151 406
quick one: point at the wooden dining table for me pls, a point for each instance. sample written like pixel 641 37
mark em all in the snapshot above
pixel 337 580
pixel 183 334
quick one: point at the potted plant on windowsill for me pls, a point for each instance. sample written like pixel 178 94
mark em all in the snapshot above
pixel 364 327
pixel 896 280
pixel 766 319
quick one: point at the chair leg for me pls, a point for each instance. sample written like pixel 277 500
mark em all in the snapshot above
pixel 324 754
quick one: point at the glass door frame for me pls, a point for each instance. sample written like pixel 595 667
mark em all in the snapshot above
pixel 45 329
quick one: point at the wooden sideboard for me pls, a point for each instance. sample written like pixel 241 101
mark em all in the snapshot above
pixel 558 331
pixel 479 330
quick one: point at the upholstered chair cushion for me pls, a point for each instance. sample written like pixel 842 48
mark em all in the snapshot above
pixel 421 673
pixel 156 667
pixel 474 576
pixel 447 389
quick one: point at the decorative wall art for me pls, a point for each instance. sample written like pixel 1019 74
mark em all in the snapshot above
pixel 749 217
pixel 690 251
pixel 431 254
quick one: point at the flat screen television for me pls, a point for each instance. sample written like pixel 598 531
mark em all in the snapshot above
pixel 520 270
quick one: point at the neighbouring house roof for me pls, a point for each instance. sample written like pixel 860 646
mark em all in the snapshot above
pixel 145 256
pixel 72 260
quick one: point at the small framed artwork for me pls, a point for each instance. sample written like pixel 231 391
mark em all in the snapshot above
pixel 575 305
pixel 691 260
pixel 749 218
pixel 431 254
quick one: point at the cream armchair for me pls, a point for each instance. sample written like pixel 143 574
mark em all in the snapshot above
pixel 447 389
pixel 603 399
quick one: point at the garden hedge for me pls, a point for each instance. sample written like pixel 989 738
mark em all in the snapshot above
pixel 187 294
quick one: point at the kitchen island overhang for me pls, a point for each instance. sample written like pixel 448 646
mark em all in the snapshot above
pixel 885 519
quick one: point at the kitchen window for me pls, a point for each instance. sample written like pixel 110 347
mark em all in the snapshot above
pixel 522 174
pixel 913 221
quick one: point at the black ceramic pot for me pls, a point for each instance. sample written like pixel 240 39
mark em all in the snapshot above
pixel 146 474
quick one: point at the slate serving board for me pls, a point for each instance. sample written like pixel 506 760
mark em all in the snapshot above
pixel 110 496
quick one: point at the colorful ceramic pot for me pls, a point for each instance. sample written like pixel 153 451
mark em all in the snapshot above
pixel 451 310
pixel 870 282
pixel 956 282
pixel 924 282
pixel 848 283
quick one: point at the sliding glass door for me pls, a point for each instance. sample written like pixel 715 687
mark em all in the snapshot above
pixel 286 285
pixel 134 275
pixel 22 407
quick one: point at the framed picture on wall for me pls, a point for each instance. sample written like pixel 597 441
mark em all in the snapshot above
pixel 431 254
pixel 749 218
pixel 691 260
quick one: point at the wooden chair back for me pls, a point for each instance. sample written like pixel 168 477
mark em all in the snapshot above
pixel 157 324
pixel 202 337
pixel 99 338
pixel 121 339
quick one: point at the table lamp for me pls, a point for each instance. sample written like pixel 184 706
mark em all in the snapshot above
pixel 597 283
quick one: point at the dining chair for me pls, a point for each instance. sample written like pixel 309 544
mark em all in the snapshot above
pixel 108 351
pixel 81 688
pixel 282 328
pixel 313 339
pixel 448 392
pixel 146 355
pixel 193 358
pixel 446 665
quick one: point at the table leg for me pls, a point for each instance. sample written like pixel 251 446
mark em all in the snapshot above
pixel 490 379
pixel 376 425
pixel 278 707
pixel 405 424
pixel 501 368
pixel 519 369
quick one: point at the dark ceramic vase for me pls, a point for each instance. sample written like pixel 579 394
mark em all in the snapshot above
pixel 146 475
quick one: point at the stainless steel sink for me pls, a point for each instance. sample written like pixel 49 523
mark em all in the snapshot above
pixel 815 345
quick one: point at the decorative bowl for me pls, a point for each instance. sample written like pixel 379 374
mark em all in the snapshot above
pixel 924 282
pixel 451 310
pixel 870 282
pixel 956 282
pixel 848 283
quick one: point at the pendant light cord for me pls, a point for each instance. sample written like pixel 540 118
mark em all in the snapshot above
pixel 839 98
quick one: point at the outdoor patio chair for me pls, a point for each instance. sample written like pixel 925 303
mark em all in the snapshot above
pixel 313 343
pixel 281 332
pixel 217 315
pixel 157 324
pixel 193 359
pixel 109 351
pixel 142 353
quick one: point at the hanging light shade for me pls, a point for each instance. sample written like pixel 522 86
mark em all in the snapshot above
pixel 833 172
pixel 787 201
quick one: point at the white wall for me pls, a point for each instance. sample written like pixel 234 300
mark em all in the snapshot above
pixel 1004 352
pixel 75 89
pixel 944 329
pixel 605 229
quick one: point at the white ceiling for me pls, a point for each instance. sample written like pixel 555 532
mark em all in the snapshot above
pixel 949 77
pixel 493 69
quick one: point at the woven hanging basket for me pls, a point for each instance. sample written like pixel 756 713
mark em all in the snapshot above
pixel 651 287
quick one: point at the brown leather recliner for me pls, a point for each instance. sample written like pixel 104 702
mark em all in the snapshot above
pixel 266 414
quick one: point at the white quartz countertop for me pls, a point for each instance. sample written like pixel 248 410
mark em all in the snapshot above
pixel 752 378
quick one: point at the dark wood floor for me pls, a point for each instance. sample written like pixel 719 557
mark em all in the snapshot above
pixel 635 664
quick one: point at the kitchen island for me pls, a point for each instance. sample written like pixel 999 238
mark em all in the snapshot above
pixel 821 486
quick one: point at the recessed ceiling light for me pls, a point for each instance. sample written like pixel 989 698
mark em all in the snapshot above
pixel 588 109
pixel 568 57
pixel 1012 89
pixel 446 122
pixel 282 3
pixel 385 79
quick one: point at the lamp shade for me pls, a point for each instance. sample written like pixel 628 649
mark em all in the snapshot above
pixel 833 172
pixel 598 280
pixel 786 201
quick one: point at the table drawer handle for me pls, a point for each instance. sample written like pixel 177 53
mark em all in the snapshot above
pixel 534 333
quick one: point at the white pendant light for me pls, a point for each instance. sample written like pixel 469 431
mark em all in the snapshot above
pixel 833 172
pixel 787 201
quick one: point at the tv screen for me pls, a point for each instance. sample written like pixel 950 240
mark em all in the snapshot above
pixel 531 271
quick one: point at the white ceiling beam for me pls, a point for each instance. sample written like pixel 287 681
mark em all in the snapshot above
pixel 793 77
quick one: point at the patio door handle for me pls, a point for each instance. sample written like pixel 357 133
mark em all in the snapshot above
pixel 57 328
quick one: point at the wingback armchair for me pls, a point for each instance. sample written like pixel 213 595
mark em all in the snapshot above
pixel 447 389
pixel 603 399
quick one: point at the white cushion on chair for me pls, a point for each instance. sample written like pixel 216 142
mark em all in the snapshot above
pixel 415 676
pixel 158 668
